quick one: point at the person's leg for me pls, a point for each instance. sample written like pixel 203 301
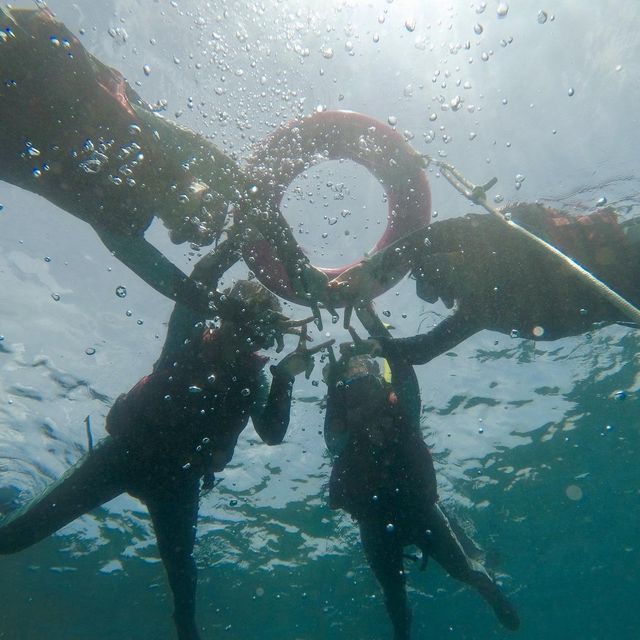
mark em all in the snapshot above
pixel 383 550
pixel 174 517
pixel 94 480
pixel 440 541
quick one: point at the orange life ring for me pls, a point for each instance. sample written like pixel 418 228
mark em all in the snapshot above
pixel 338 135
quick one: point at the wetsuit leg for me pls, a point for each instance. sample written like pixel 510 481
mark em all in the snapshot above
pixel 384 555
pixel 445 547
pixel 174 517
pixel 97 478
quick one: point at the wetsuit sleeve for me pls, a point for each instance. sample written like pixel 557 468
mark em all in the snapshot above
pixel 271 408
pixel 406 387
pixel 183 320
pixel 425 347
pixel 155 269
pixel 336 432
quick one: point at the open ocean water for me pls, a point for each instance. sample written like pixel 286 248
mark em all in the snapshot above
pixel 536 445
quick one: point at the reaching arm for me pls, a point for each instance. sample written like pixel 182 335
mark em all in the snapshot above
pixel 425 347
pixel 155 269
pixel 336 432
pixel 270 415
pixel 183 320
pixel 406 387
pixel 272 407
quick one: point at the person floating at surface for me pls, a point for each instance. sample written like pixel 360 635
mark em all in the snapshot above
pixel 384 477
pixel 178 426
pixel 73 131
pixel 501 281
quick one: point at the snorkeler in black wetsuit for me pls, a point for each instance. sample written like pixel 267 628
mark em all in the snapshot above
pixel 500 281
pixel 178 426
pixel 74 132
pixel 384 477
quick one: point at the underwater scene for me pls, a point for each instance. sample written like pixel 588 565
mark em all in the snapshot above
pixel 319 319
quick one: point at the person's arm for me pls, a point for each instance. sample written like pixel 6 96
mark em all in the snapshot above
pixel 423 348
pixel 184 318
pixel 271 408
pixel 156 269
pixel 336 432
pixel 270 411
pixel 407 390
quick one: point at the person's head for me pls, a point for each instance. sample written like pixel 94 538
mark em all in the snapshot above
pixel 363 385
pixel 255 317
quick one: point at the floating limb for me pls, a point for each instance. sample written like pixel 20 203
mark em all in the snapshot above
pixel 478 195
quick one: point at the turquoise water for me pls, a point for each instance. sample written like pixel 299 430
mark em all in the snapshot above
pixel 536 451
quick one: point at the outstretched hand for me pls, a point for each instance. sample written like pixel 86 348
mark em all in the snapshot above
pixel 284 325
pixel 370 346
pixel 301 359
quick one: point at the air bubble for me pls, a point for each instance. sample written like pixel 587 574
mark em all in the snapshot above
pixel 121 291
pixel 90 351
pixel 94 163
pixel 32 151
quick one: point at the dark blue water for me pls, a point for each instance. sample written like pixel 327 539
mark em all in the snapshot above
pixel 536 449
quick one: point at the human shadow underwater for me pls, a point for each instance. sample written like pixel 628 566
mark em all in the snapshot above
pixel 177 427
pixel 383 476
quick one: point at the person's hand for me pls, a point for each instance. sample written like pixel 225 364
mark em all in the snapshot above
pixel 301 359
pixel 370 346
pixel 283 325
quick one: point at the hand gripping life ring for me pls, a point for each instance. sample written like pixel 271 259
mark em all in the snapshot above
pixel 338 135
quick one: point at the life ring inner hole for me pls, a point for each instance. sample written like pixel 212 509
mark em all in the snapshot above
pixel 338 211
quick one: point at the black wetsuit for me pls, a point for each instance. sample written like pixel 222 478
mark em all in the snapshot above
pixel 503 282
pixel 384 477
pixel 174 427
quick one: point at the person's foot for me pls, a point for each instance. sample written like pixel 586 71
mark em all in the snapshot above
pixel 505 611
